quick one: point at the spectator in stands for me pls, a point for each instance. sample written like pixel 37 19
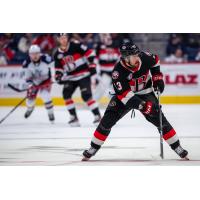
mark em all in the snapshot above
pixel 198 56
pixel 6 53
pixel 85 38
pixel 46 42
pixel 23 43
pixel 175 42
pixel 177 57
pixel 192 46
pixel 120 38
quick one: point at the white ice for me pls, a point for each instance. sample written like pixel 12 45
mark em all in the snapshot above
pixel 35 141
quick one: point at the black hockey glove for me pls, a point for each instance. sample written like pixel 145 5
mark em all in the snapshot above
pixel 148 108
pixel 58 77
pixel 158 83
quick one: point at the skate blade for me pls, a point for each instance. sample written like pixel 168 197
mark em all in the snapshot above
pixel 185 159
pixel 85 159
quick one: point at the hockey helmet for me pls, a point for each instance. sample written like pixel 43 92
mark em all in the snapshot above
pixel 34 49
pixel 62 34
pixel 128 49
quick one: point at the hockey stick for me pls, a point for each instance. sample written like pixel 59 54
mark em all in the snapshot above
pixel 23 90
pixel 15 88
pixel 13 110
pixel 161 127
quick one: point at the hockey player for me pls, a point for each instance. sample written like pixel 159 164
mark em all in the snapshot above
pixel 107 55
pixel 135 78
pixel 38 79
pixel 74 67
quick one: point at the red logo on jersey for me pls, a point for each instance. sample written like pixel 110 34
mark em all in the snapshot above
pixel 68 59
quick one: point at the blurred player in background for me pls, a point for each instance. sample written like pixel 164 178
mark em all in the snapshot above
pixel 135 78
pixel 107 55
pixel 38 78
pixel 74 66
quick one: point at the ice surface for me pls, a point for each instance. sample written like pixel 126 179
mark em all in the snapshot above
pixel 35 141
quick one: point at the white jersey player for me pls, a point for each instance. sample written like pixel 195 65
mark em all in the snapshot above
pixel 38 78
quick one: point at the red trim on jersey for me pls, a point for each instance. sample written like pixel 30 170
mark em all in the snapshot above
pixel 68 102
pixel 157 59
pixel 88 52
pixel 76 56
pixel 80 72
pixel 90 102
pixel 62 62
pixel 123 95
pixel 92 65
pixel 108 65
pixel 108 50
pixel 100 136
pixel 169 134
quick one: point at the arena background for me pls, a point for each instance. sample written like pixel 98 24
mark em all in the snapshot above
pixel 179 54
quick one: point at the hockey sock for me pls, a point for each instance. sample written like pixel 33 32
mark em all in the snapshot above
pixel 99 137
pixel 171 138
pixel 49 107
pixel 92 104
pixel 71 107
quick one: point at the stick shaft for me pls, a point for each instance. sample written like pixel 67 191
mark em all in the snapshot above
pixel 4 118
pixel 160 128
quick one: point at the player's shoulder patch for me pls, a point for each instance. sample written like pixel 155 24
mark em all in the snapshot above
pixel 58 55
pixel 115 75
pixel 46 58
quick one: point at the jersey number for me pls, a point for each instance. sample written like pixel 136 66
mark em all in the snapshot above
pixel 118 85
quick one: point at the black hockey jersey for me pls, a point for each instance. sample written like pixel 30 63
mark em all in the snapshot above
pixel 76 62
pixel 127 82
pixel 107 56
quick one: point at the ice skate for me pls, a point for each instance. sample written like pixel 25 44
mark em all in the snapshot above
pixel 51 118
pixel 74 122
pixel 28 113
pixel 87 154
pixel 182 153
